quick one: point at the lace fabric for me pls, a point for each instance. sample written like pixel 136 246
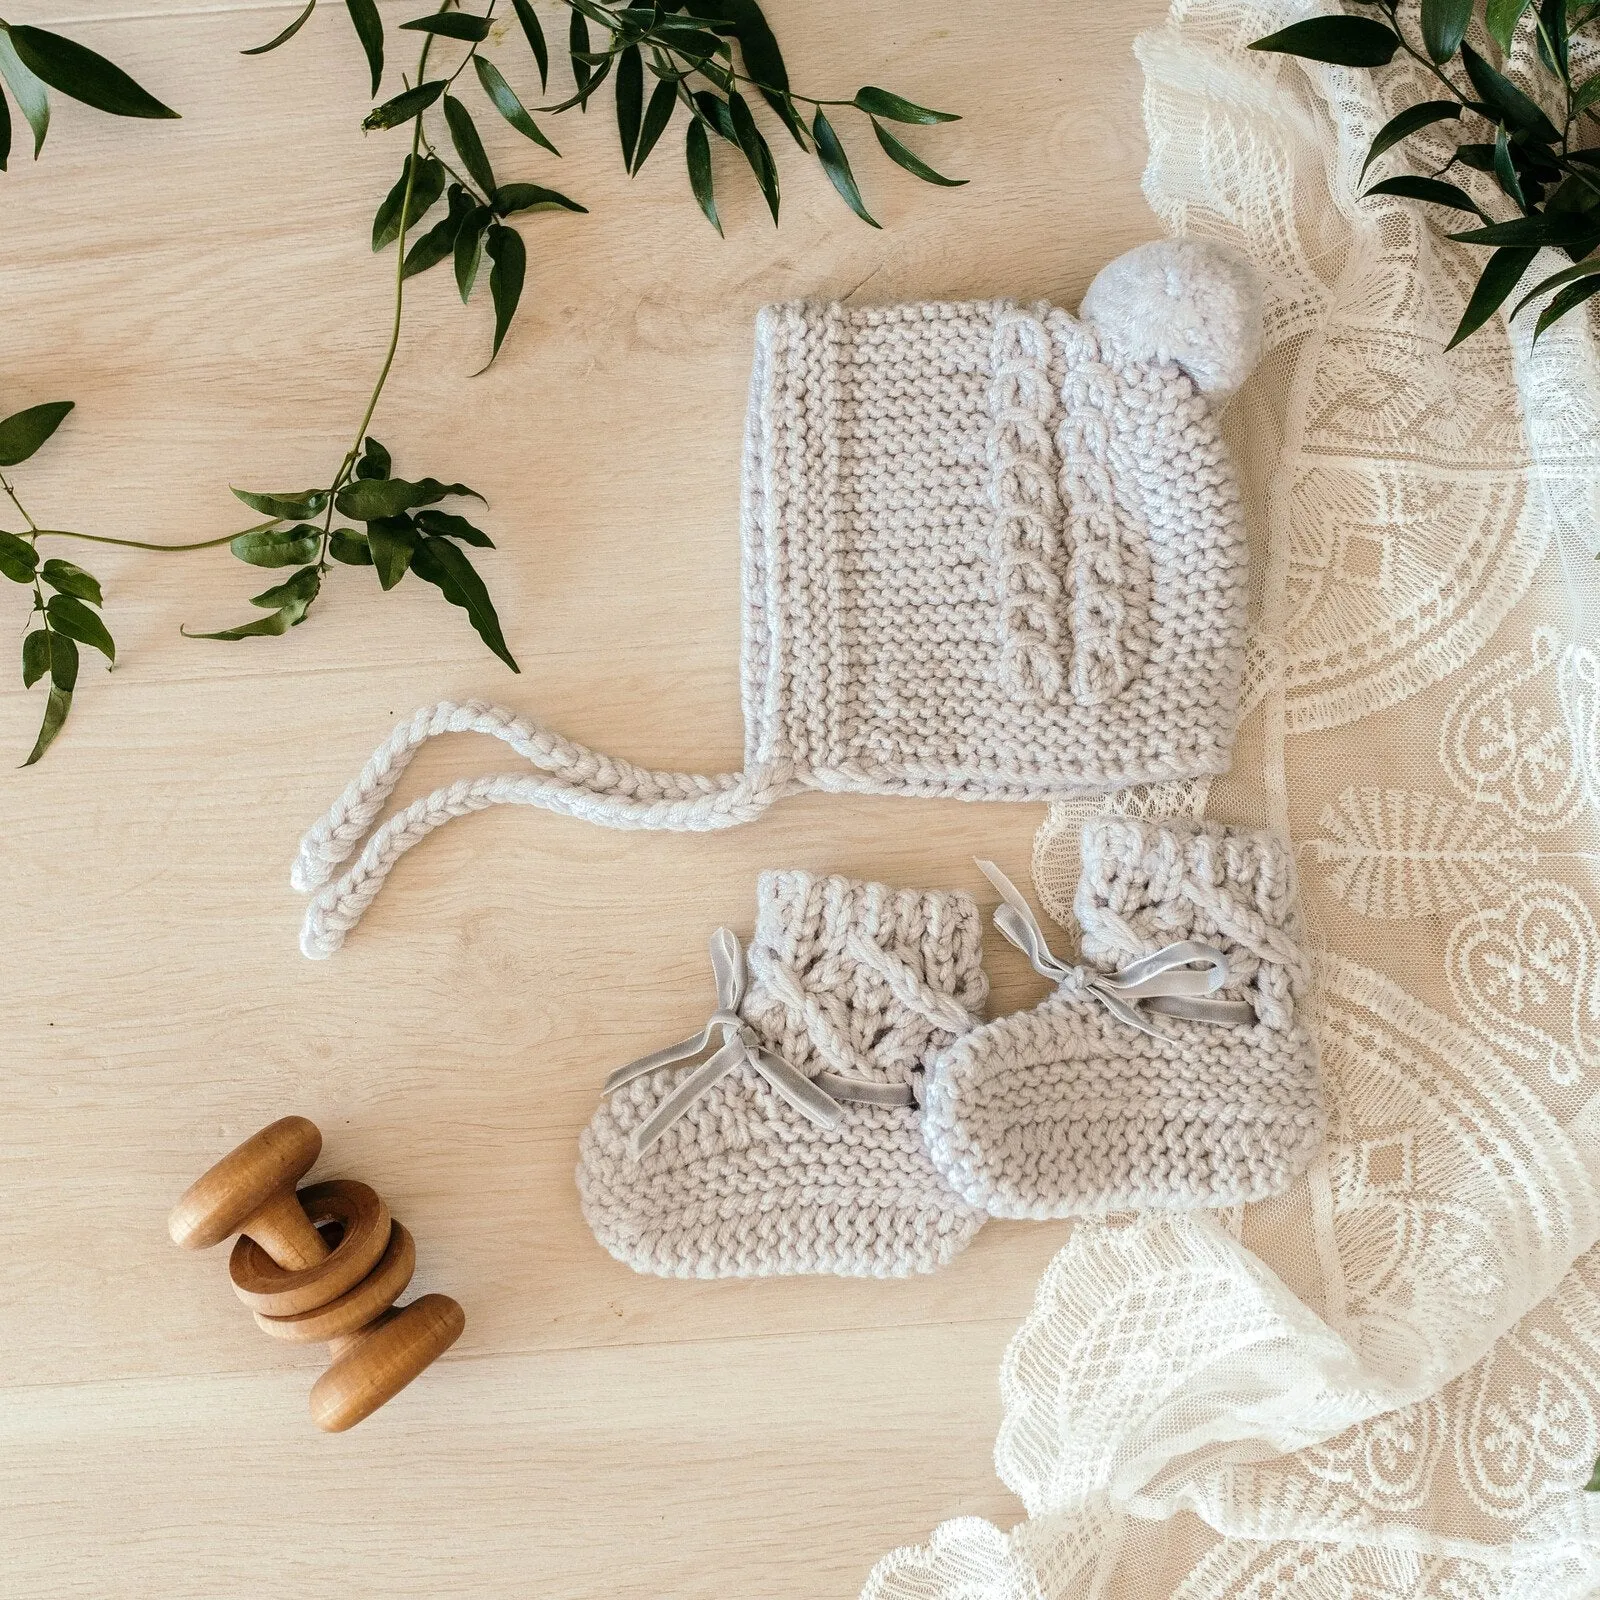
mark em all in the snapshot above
pixel 1386 1384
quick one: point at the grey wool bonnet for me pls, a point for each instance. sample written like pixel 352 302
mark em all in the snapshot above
pixel 990 550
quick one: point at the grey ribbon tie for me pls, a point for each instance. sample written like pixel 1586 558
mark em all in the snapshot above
pixel 739 1046
pixel 1176 981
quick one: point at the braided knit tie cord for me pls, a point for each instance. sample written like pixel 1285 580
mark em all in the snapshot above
pixel 580 783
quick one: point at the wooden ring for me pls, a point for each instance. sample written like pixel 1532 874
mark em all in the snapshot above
pixel 375 1293
pixel 265 1286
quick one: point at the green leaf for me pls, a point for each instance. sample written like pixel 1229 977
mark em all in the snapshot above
pixel 18 559
pixel 756 150
pixel 1584 269
pixel 375 462
pixel 504 99
pixel 1568 299
pixel 288 602
pixel 83 75
pixel 369 30
pixel 1432 190
pixel 913 163
pixel 1507 99
pixel 369 498
pixel 35 657
pixel 55 716
pixel 426 189
pixel 578 48
pixel 1557 228
pixel 759 47
pixel 1585 95
pixel 469 248
pixel 299 590
pixel 512 197
pixel 451 25
pixel 1593 1485
pixel 24 431
pixel 453 527
pixel 281 547
pixel 290 507
pixel 439 241
pixel 287 34
pixel 1411 120
pixel 1342 41
pixel 1502 272
pixel 5 134
pixel 630 101
pixel 1505 172
pixel 837 165
pixel 446 566
pixel 411 103
pixel 391 541
pixel 1502 17
pixel 697 153
pixel 72 617
pixel 1553 38
pixel 63 662
pixel 510 258
pixel 535 37
pixel 27 90
pixel 350 547
pixel 67 577
pixel 715 111
pixel 464 136
pixel 663 98
pixel 1444 26
pixel 880 103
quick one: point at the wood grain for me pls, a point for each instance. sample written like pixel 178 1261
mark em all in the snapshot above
pixel 204 290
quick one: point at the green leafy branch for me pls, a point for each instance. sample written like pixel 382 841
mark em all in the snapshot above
pixel 34 60
pixel 699 53
pixel 1532 153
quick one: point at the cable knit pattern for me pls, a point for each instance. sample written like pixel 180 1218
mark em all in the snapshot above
pixel 988 553
pixel 1109 574
pixel 1065 1111
pixel 1027 508
pixel 846 977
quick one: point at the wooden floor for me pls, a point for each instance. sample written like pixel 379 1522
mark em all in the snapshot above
pixel 204 291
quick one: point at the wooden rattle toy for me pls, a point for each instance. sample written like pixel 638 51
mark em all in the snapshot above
pixel 304 1285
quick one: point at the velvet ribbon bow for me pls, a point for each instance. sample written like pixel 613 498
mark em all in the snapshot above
pixel 1178 980
pixel 739 1046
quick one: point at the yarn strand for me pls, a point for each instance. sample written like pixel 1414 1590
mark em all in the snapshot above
pixel 580 783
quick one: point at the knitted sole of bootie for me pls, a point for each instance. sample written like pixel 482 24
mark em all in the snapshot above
pixel 1064 1111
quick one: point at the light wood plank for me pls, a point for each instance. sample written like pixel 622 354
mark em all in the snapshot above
pixel 204 291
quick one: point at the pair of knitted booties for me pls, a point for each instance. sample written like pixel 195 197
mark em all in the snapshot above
pixel 845 1110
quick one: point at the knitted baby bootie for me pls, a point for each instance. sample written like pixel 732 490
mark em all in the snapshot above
pixel 796 1145
pixel 1172 1070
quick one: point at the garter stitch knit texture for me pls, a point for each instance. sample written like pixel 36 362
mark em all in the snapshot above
pixel 851 978
pixel 990 551
pixel 1066 1111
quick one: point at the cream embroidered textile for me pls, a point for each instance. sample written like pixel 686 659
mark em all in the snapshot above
pixel 1385 1386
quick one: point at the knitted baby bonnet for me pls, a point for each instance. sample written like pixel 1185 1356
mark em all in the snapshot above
pixel 796 1147
pixel 1174 1069
pixel 990 550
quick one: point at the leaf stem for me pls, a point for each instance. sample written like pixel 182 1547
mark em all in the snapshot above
pixel 144 544
pixel 11 495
